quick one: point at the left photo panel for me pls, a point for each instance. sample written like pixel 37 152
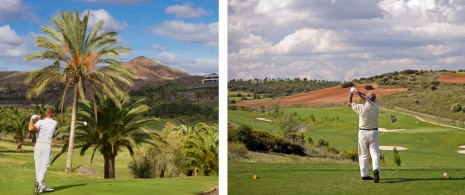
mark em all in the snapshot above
pixel 109 97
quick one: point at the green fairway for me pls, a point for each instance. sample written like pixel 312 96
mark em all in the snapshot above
pixel 428 144
pixel 17 176
pixel 335 178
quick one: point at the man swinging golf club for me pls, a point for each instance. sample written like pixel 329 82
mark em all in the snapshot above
pixel 43 147
pixel 368 138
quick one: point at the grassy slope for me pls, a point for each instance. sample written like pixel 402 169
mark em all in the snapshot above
pixel 429 145
pixel 18 175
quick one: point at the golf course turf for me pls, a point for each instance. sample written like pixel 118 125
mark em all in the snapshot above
pixel 432 151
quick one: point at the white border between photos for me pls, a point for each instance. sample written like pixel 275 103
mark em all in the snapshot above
pixel 223 92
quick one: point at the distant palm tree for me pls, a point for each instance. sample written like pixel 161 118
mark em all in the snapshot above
pixel 115 129
pixel 76 57
pixel 201 147
pixel 16 121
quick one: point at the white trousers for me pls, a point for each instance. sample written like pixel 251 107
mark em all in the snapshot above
pixel 368 144
pixel 42 155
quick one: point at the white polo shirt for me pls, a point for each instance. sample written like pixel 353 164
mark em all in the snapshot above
pixel 368 115
pixel 46 128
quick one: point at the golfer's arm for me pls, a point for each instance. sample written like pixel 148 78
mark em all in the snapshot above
pixel 349 100
pixel 361 95
pixel 32 126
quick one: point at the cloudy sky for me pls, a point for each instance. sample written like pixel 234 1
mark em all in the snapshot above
pixel 180 34
pixel 343 39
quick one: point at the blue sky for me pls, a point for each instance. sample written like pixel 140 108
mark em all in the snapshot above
pixel 180 34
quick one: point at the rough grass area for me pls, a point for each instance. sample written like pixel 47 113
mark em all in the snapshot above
pixel 336 178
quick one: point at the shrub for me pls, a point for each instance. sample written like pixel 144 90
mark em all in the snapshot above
pixel 368 87
pixel 242 134
pixel 264 141
pixel 141 167
pixel 237 150
pixel 333 150
pixel 456 107
pixel 322 143
pixel 396 156
pixel 352 155
pixel 310 140
pixel 347 84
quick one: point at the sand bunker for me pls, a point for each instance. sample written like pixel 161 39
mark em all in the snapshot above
pixel 461 151
pixel 392 148
pixel 462 146
pixel 389 130
pixel 264 119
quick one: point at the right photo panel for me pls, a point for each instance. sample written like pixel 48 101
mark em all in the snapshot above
pixel 346 96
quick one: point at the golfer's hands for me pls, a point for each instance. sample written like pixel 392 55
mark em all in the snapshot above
pixel 35 116
pixel 352 90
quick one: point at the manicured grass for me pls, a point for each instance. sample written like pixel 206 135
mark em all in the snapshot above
pixel 17 175
pixel 428 144
pixel 335 178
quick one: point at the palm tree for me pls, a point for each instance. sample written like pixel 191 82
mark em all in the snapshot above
pixel 201 147
pixel 76 57
pixel 16 121
pixel 115 129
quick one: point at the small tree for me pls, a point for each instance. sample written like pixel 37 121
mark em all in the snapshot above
pixel 456 107
pixel 287 124
pixel 396 156
pixel 368 87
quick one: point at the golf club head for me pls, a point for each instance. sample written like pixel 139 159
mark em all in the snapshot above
pixel 393 118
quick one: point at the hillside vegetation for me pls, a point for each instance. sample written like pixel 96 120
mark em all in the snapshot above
pixel 425 93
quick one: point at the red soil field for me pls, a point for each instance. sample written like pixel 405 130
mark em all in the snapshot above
pixel 452 78
pixel 336 95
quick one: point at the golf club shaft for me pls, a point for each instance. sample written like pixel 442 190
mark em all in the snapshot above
pixel 366 98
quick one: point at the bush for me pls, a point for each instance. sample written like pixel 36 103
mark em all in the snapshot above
pixel 352 155
pixel 368 87
pixel 237 150
pixel 322 143
pixel 333 150
pixel 263 141
pixel 456 107
pixel 347 84
pixel 396 156
pixel 141 167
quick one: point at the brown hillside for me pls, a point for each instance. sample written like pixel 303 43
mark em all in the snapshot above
pixel 452 78
pixel 149 70
pixel 334 95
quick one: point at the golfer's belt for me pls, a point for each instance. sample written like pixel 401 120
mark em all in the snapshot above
pixel 374 129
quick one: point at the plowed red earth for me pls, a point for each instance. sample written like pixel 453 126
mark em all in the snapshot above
pixel 452 78
pixel 335 95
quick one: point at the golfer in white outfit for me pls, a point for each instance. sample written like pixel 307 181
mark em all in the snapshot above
pixel 368 138
pixel 43 147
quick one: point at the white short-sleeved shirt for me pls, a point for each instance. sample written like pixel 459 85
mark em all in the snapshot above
pixel 368 114
pixel 46 128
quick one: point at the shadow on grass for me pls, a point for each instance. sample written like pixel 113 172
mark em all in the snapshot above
pixel 14 151
pixel 58 188
pixel 397 180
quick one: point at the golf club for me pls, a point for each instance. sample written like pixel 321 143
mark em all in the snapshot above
pixel 393 118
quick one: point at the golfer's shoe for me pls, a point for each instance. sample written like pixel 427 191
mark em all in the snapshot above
pixel 376 173
pixel 367 178
pixel 36 188
pixel 45 189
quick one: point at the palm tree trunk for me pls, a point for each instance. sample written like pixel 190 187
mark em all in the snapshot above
pixel 69 161
pixel 20 146
pixel 109 167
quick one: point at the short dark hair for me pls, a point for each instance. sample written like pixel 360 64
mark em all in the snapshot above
pixel 371 96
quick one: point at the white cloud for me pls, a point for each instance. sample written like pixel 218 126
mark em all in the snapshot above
pixel 193 66
pixel 11 44
pixel 110 23
pixel 185 11
pixel 206 34
pixel 158 47
pixel 355 38
pixel 14 9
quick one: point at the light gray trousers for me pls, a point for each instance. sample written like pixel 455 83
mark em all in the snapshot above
pixel 368 144
pixel 42 155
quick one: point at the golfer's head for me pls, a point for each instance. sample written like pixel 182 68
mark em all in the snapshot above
pixel 50 112
pixel 371 96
